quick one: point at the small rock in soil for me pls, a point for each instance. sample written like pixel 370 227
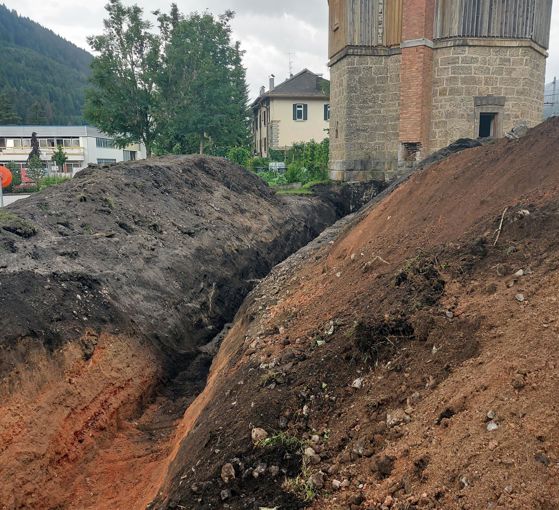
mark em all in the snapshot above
pixel 316 481
pixel 358 383
pixel 225 494
pixel 259 435
pixel 228 473
pixel 492 426
pixel 397 417
pixel 520 298
pixel 542 458
pixel 518 382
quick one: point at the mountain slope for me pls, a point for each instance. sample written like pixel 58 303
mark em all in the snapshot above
pixel 43 75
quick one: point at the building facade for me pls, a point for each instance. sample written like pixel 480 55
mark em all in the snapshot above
pixel 83 145
pixel 551 108
pixel 298 110
pixel 409 77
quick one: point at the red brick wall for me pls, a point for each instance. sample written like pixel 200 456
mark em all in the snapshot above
pixel 417 73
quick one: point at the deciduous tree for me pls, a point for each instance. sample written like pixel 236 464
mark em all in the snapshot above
pixel 124 96
pixel 203 84
pixel 59 157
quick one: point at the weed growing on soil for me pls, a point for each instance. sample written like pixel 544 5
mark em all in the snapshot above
pixel 9 222
pixel 290 443
pixel 301 486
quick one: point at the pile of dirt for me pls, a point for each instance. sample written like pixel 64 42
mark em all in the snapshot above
pixel 407 358
pixel 110 285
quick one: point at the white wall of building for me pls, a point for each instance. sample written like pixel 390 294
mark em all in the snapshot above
pixel 79 143
pixel 294 131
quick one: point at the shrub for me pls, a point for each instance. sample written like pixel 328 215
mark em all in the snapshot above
pixel 257 163
pixel 239 155
pixel 296 173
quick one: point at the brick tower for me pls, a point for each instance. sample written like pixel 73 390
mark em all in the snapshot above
pixel 408 77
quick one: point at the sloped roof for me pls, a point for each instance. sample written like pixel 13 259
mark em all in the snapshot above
pixel 305 84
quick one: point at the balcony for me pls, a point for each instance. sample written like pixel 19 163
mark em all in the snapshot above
pixel 17 153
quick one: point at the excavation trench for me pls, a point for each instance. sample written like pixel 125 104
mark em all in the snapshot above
pixel 115 287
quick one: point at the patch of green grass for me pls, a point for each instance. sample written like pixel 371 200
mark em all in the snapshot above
pixel 296 191
pixel 46 182
pixel 12 223
pixel 289 442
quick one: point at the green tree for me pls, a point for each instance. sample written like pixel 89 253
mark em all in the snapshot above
pixel 8 114
pixel 59 157
pixel 204 99
pixel 36 170
pixel 124 96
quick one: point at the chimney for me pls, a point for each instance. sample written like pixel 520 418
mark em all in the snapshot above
pixel 272 82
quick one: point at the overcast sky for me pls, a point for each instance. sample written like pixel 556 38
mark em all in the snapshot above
pixel 272 32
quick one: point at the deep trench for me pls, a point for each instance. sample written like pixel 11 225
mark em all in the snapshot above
pixel 185 375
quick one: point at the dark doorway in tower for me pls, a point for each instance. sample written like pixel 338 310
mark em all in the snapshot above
pixel 487 125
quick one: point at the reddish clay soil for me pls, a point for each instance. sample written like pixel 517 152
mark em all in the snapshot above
pixel 414 348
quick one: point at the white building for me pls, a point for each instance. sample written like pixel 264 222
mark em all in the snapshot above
pixel 82 145
pixel 551 108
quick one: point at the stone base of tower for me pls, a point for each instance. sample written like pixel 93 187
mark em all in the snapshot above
pixel 365 106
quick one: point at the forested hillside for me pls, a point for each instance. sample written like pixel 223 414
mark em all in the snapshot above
pixel 43 76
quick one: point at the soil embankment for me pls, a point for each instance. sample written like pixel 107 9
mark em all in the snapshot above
pixel 110 287
pixel 405 359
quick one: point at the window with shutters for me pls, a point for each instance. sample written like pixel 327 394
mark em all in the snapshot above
pixel 300 112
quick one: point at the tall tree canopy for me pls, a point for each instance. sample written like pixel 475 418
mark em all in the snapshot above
pixel 179 89
pixel 203 84
pixel 124 75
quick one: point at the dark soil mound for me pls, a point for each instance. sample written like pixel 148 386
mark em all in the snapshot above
pixel 167 248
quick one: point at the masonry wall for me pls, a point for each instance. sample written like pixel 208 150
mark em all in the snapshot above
pixel 461 73
pixel 364 122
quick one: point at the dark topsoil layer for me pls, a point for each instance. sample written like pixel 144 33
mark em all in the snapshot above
pixel 165 249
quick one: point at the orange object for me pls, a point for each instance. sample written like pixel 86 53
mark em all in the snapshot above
pixel 5 176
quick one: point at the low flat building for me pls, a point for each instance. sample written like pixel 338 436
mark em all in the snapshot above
pixel 297 110
pixel 83 145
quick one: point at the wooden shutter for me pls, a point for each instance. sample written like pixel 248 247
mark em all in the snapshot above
pixel 305 112
pixel 294 112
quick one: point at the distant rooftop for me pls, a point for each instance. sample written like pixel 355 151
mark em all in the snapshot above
pixel 305 84
pixel 49 131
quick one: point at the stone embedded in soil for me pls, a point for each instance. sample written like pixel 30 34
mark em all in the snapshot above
pixel 258 435
pixel 520 298
pixel 492 426
pixel 316 481
pixel 542 458
pixel 397 417
pixel 358 383
pixel 228 473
